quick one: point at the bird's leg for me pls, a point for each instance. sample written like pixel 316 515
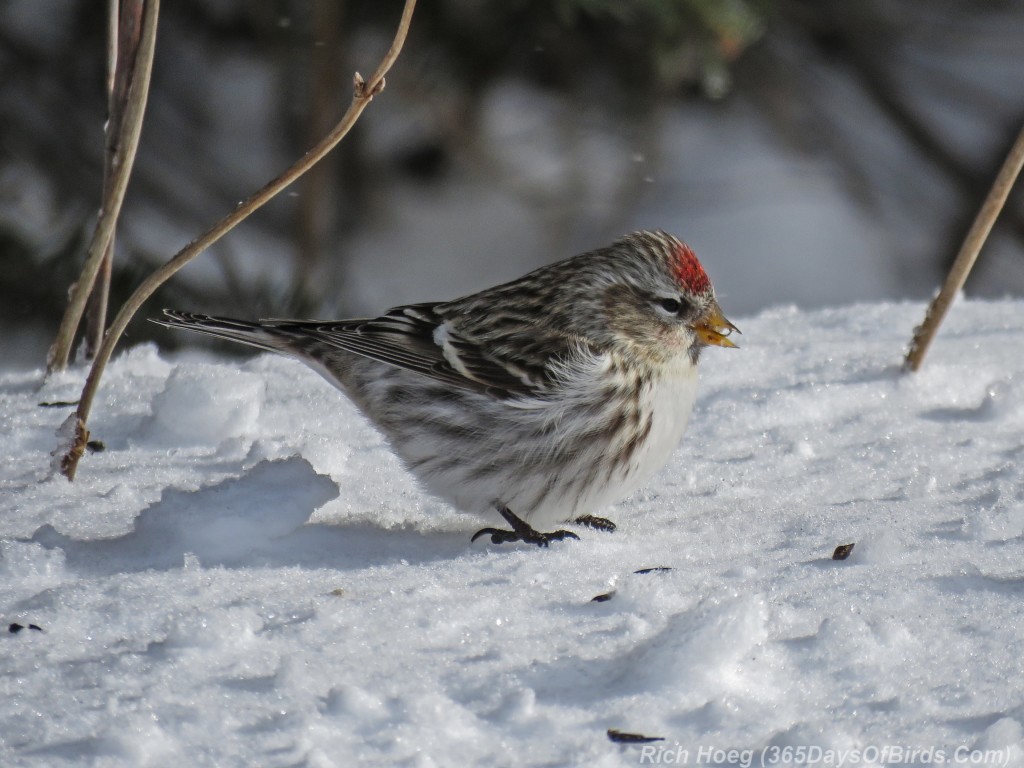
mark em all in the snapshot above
pixel 597 523
pixel 521 531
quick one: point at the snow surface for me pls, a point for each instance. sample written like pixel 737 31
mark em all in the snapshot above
pixel 246 576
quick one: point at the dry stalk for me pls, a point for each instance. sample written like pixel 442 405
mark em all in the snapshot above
pixel 124 31
pixel 364 91
pixel 925 333
pixel 124 128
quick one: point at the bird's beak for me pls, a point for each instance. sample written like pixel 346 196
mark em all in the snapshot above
pixel 713 328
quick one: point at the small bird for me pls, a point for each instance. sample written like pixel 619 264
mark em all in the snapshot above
pixel 543 399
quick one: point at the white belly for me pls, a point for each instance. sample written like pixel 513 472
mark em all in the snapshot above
pixel 669 402
pixel 538 456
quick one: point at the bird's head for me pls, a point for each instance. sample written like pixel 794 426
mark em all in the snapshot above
pixel 658 301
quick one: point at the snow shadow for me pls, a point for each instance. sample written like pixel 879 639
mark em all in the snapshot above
pixel 259 519
pixel 696 652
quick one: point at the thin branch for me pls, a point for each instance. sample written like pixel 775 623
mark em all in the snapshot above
pixel 127 143
pixel 968 254
pixel 364 91
pixel 113 19
pixel 120 63
pixel 125 29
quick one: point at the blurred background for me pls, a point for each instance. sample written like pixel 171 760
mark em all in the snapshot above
pixel 813 152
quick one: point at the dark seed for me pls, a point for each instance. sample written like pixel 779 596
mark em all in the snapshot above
pixel 654 569
pixel 96 446
pixel 620 737
pixel 602 598
pixel 15 628
pixel 842 551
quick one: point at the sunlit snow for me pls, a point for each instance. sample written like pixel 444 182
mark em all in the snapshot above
pixel 245 576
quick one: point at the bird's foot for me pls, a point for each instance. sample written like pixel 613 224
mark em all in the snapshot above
pixel 521 531
pixel 597 523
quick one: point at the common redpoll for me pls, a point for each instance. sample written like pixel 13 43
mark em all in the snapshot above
pixel 544 398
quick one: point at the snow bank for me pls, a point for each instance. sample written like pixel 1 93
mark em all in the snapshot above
pixel 205 404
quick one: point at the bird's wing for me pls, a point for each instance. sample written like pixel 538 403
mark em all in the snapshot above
pixel 419 339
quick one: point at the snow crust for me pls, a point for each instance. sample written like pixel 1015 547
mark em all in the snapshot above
pixel 246 576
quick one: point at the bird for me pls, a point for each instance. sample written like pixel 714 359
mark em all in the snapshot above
pixel 544 399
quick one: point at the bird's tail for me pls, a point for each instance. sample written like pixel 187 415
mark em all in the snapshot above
pixel 254 334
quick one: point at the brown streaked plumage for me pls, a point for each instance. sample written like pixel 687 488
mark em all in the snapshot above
pixel 545 398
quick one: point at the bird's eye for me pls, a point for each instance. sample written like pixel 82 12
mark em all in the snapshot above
pixel 672 306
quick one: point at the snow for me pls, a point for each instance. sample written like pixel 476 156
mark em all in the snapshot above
pixel 246 576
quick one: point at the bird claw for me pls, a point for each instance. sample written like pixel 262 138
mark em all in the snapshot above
pixel 543 539
pixel 498 536
pixel 597 523
pixel 521 531
pixel 501 536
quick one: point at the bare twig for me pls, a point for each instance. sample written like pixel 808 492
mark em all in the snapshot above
pixel 364 91
pixel 123 130
pixel 125 30
pixel 113 24
pixel 969 251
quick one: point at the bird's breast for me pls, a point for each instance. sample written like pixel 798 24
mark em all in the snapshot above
pixel 666 402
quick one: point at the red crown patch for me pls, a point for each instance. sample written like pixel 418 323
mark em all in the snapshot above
pixel 688 270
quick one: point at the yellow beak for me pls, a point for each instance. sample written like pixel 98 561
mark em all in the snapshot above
pixel 713 328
